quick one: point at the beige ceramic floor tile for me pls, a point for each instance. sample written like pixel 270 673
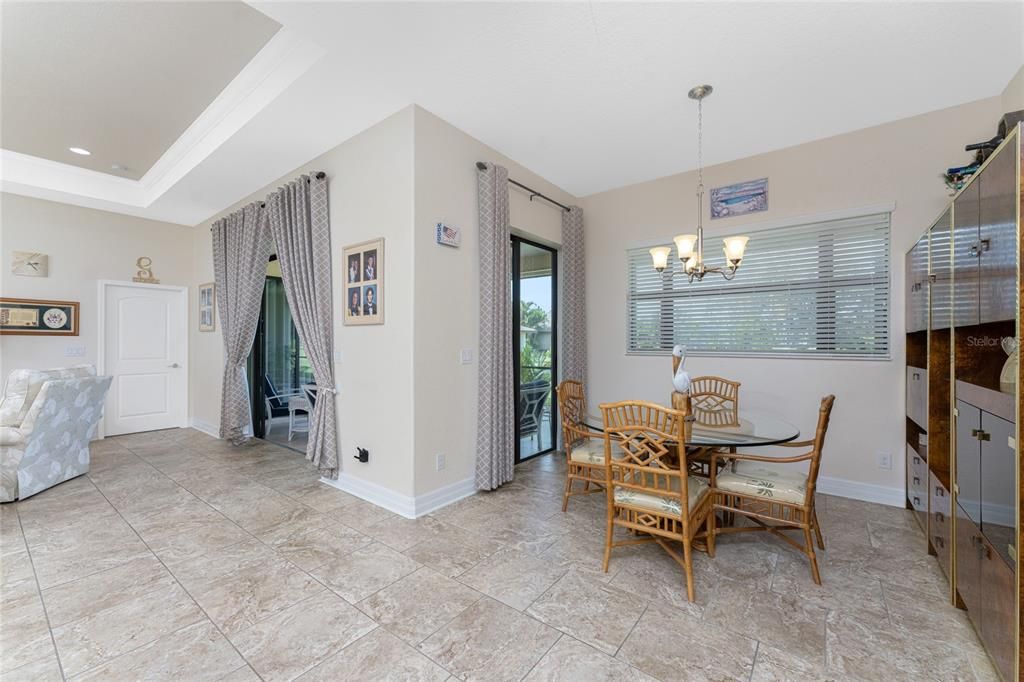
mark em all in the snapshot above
pixel 377 656
pixel 244 597
pixel 99 591
pixel 570 660
pixel 298 638
pixel 695 649
pixel 417 605
pixel 364 571
pixel 590 611
pixel 513 577
pixel 490 641
pixel 45 669
pixel 106 634
pixel 312 541
pixel 197 653
pixel 89 549
pixel 24 634
pixel 446 555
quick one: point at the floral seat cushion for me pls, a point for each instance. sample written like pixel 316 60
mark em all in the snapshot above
pixel 755 479
pixel 665 504
pixel 592 452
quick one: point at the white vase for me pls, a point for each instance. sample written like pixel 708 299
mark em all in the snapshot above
pixel 1008 377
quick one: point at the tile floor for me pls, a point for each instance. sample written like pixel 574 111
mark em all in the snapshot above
pixel 180 557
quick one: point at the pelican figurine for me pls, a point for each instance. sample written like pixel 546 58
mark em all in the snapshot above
pixel 680 377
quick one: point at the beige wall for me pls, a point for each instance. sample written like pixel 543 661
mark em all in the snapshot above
pixel 898 162
pixel 447 291
pixel 371 195
pixel 84 245
pixel 1013 95
pixel 404 393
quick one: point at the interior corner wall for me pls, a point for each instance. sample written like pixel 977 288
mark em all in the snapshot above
pixel 897 162
pixel 84 245
pixel 446 317
pixel 370 191
pixel 1013 94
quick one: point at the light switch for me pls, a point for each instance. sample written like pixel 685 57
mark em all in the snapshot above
pixel 74 351
pixel 466 356
pixel 337 356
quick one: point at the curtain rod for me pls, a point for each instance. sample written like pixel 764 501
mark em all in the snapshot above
pixel 320 175
pixel 533 193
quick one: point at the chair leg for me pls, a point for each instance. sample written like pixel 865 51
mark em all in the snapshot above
pixel 710 528
pixel 809 550
pixel 568 490
pixel 608 537
pixel 688 559
pixel 817 529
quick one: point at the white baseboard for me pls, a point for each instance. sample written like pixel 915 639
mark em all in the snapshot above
pixel 204 426
pixel 403 505
pixel 867 492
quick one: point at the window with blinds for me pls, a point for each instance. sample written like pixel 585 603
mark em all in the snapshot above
pixel 817 289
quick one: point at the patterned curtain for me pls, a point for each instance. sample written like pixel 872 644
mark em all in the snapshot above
pixel 240 250
pixel 574 302
pixel 495 436
pixel 301 228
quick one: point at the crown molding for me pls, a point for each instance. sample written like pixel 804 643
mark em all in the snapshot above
pixel 282 61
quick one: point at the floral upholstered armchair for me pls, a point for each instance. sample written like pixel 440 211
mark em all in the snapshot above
pixel 47 419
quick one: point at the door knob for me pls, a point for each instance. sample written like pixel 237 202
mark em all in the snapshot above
pixel 174 365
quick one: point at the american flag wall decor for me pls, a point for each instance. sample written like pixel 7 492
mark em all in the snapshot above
pixel 448 236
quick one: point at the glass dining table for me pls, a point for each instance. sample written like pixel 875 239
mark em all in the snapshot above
pixel 750 429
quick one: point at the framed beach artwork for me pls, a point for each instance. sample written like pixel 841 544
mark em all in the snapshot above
pixel 364 283
pixel 207 307
pixel 739 199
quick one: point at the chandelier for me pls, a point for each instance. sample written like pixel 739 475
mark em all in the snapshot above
pixel 690 247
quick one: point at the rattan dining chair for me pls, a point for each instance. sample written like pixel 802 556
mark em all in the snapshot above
pixel 650 491
pixel 774 498
pixel 715 401
pixel 584 447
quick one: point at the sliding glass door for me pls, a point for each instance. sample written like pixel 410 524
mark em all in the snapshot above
pixel 278 369
pixel 535 346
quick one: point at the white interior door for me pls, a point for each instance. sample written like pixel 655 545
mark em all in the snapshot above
pixel 146 351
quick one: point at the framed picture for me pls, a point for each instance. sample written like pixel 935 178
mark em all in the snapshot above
pixel 207 307
pixel 31 317
pixel 739 199
pixel 364 283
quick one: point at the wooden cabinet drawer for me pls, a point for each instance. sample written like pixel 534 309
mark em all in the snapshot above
pixel 941 527
pixel 917 480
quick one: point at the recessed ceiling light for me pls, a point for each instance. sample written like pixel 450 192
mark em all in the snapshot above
pixel 79 150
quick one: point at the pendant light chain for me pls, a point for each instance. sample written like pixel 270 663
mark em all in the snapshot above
pixel 690 247
pixel 700 146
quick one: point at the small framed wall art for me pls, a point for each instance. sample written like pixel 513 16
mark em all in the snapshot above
pixel 207 307
pixel 31 317
pixel 30 264
pixel 739 199
pixel 364 283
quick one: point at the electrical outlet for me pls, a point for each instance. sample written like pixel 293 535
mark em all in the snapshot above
pixel 884 460
pixel 440 462
pixel 466 356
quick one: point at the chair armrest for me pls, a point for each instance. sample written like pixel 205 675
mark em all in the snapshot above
pixel 11 436
pixel 753 458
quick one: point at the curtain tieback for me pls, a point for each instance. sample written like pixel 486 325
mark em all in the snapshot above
pixel 327 390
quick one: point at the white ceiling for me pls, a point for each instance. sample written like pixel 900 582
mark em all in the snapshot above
pixel 121 79
pixel 589 95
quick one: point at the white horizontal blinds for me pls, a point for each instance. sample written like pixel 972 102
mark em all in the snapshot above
pixel 819 288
